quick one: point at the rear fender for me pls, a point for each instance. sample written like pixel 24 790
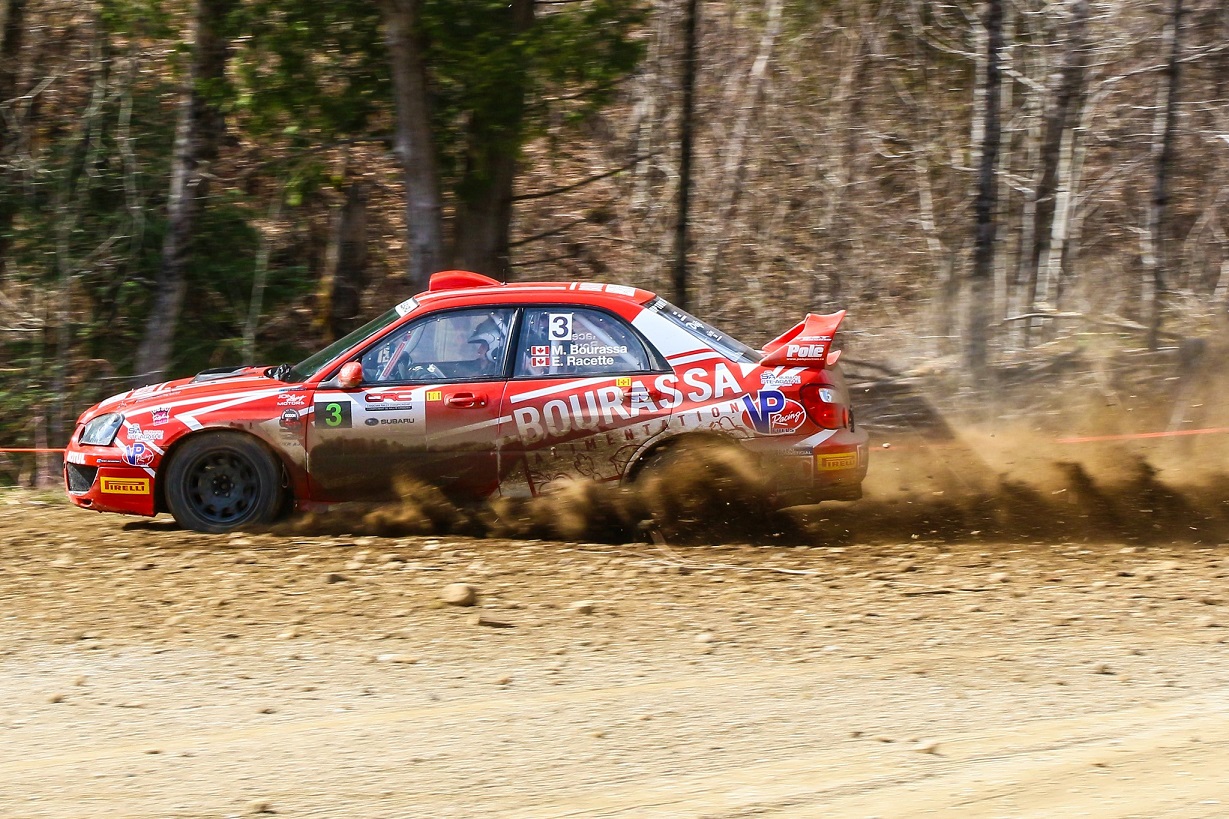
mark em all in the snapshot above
pixel 662 443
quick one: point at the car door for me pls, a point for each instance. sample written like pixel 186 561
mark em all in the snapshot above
pixel 427 411
pixel 581 399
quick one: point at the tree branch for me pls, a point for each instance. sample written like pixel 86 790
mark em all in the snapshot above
pixel 555 191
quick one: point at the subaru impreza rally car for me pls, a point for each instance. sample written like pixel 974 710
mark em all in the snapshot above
pixel 482 389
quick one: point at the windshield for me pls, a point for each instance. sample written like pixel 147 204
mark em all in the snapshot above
pixel 724 343
pixel 311 365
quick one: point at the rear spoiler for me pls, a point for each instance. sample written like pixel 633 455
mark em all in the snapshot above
pixel 806 344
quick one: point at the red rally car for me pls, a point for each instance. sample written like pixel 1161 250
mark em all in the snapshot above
pixel 482 389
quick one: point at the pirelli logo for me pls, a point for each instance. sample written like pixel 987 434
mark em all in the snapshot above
pixel 125 486
pixel 831 463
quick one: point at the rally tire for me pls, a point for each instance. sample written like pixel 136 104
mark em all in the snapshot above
pixel 221 481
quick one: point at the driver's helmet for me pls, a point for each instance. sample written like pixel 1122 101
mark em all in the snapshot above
pixel 492 331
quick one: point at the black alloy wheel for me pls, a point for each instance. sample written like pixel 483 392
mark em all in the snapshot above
pixel 221 481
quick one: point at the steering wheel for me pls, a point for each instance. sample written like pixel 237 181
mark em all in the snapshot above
pixel 424 372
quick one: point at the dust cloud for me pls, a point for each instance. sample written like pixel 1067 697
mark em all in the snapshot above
pixel 1005 486
pixel 1022 487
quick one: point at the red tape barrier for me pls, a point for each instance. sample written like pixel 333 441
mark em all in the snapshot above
pixel 1086 439
pixel 1137 435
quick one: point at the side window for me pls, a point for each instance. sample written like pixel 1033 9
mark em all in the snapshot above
pixel 462 345
pixel 568 340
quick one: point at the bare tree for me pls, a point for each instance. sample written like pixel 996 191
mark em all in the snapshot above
pixel 1056 143
pixel 413 143
pixel 1155 257
pixel 686 149
pixel 198 133
pixel 981 277
pixel 12 29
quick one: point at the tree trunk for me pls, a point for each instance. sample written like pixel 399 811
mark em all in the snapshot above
pixel 1156 260
pixel 260 277
pixel 198 133
pixel 1058 121
pixel 687 116
pixel 346 272
pixel 484 208
pixel 414 144
pixel 981 277
pixel 12 29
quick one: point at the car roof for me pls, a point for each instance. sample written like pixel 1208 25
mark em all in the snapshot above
pixel 458 288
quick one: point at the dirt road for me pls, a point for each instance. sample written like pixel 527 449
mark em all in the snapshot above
pixel 152 672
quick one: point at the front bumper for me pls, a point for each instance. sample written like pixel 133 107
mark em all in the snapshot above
pixel 96 477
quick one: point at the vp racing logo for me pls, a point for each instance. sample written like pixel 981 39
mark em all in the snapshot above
pixel 771 413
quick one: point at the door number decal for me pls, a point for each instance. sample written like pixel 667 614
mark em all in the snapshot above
pixel 333 414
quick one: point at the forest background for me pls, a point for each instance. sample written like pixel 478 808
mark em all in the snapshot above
pixel 1000 193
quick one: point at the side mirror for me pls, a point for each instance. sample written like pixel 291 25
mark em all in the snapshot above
pixel 351 375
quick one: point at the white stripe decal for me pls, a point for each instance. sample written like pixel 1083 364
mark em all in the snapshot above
pixel 817 439
pixel 566 386
pixel 472 427
pixel 190 418
pixel 692 359
pixel 189 401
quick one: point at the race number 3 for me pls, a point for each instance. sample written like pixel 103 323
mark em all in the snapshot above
pixel 332 414
pixel 560 326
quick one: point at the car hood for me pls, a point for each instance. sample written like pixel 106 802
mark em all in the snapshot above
pixel 203 386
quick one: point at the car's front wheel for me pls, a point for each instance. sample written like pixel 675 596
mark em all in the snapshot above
pixel 223 480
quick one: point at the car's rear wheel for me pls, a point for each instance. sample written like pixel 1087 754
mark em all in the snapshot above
pixel 704 488
pixel 221 481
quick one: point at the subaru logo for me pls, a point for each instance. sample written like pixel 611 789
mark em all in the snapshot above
pixel 372 422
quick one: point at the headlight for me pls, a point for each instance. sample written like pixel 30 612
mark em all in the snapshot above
pixel 101 430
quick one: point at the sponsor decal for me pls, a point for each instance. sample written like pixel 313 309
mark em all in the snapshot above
pixel 76 458
pixel 806 350
pixel 138 454
pixel 590 409
pixel 289 419
pixel 771 413
pixel 372 422
pixel 150 390
pixel 623 382
pixel 390 401
pixel 292 399
pixel 332 414
pixel 395 396
pixel 782 380
pixel 559 326
pixel 135 433
pixel 407 306
pixel 435 395
pixel 831 463
pixel 388 421
pixel 160 416
pixel 125 486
